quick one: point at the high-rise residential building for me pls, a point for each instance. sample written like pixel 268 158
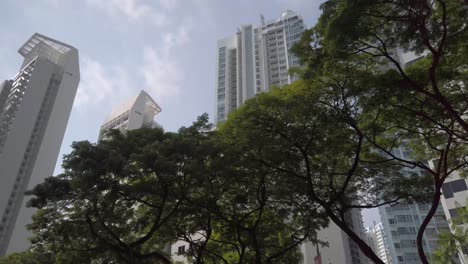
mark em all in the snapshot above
pixel 255 59
pixel 138 112
pixel 340 248
pixel 377 240
pixel 34 109
pixel 455 195
pixel 401 223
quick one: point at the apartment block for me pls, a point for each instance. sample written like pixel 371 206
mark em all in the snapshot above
pixel 34 109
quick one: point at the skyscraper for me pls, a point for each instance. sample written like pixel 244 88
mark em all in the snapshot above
pixel 138 112
pixel 255 59
pixel 377 240
pixel 34 109
pixel 401 223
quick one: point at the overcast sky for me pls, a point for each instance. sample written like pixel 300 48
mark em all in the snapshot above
pixel 166 47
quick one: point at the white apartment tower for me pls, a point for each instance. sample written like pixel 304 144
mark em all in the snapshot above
pixel 401 223
pixel 138 112
pixel 255 59
pixel 34 109
pixel 377 240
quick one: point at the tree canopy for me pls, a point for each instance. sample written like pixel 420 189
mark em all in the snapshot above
pixel 398 71
pixel 127 199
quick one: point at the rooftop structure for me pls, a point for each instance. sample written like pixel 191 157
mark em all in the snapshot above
pixel 138 112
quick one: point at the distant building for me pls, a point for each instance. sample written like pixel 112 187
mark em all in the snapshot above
pixel 34 109
pixel 401 223
pixel 180 248
pixel 137 112
pixel 254 60
pixel 341 248
pixel 377 240
pixel 455 195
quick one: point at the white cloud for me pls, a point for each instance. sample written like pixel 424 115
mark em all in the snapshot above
pixel 176 38
pixel 53 3
pixel 168 4
pixel 134 10
pixel 159 74
pixel 99 84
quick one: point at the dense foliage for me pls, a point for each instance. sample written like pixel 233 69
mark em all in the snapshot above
pixel 450 243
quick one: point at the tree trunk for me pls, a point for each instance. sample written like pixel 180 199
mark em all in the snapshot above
pixel 427 219
pixel 359 242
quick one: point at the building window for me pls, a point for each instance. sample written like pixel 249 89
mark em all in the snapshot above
pixel 404 218
pixel 424 207
pixel 453 213
pixel 406 230
pixel 449 188
pixel 411 257
pixel 181 250
pixel 430 231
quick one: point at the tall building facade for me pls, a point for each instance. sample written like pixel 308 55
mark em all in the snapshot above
pixel 340 248
pixel 34 109
pixel 255 59
pixel 138 112
pixel 401 223
pixel 454 196
pixel 377 240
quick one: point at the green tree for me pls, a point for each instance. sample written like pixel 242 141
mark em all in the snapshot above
pixel 124 200
pixel 451 242
pixel 239 216
pixel 319 155
pixel 26 257
pixel 433 29
pixel 353 53
pixel 114 202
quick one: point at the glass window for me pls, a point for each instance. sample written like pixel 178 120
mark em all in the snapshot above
pixel 424 207
pixel 411 257
pixel 408 243
pixel 453 213
pixel 406 230
pixel 449 188
pixel 458 185
pixel 181 250
pixel 430 231
pixel 404 218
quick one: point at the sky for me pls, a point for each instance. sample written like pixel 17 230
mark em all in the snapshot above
pixel 166 47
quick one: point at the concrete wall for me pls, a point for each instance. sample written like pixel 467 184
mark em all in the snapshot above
pixel 334 253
